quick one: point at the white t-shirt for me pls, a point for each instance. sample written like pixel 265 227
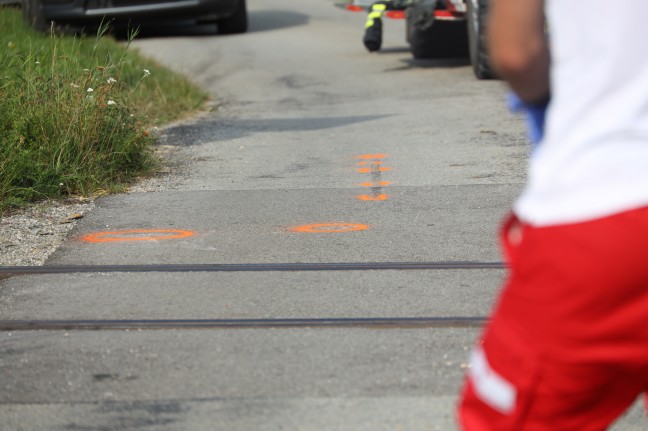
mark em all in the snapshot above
pixel 593 160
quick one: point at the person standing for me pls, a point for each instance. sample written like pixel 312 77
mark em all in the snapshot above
pixel 566 347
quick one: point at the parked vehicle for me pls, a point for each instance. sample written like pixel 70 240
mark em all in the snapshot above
pixel 436 28
pixel 229 15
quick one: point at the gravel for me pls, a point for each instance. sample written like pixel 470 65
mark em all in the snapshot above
pixel 29 236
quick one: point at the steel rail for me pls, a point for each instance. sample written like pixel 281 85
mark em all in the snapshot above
pixel 140 325
pixel 249 267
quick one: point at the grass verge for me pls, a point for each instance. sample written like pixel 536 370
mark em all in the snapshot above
pixel 74 112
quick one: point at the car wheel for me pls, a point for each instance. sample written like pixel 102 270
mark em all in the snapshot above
pixel 479 58
pixel 444 39
pixel 429 37
pixel 236 23
pixel 32 11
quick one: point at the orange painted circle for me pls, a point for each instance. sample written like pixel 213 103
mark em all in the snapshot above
pixel 330 228
pixel 132 235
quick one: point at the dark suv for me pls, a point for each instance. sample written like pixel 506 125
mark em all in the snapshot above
pixel 229 15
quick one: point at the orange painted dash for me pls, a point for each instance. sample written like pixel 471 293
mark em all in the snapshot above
pixel 378 184
pixel 373 198
pixel 372 156
pixel 330 228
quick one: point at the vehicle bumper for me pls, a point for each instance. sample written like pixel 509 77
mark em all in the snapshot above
pixel 82 11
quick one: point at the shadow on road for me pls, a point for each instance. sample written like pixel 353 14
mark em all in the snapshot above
pixel 268 20
pixel 259 21
pixel 437 63
pixel 410 62
pixel 393 50
pixel 217 129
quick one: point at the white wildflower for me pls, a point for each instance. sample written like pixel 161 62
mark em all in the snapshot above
pixel 111 80
pixel 90 90
pixel 111 103
pixel 147 72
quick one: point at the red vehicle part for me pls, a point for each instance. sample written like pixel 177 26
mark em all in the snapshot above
pixel 355 8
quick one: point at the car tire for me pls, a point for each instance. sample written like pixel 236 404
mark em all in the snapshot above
pixel 235 23
pixel 32 11
pixel 435 39
pixel 477 17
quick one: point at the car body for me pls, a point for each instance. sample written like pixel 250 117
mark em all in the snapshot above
pixel 230 15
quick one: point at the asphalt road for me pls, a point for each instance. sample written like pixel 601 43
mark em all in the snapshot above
pixel 317 152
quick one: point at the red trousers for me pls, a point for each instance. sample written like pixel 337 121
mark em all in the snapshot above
pixel 567 345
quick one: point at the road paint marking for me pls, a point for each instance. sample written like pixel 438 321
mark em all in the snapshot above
pixel 380 197
pixel 372 156
pixel 370 170
pixel 375 184
pixel 375 168
pixel 138 235
pixel 330 228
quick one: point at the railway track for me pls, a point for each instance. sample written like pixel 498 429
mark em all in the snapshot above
pixel 248 267
pixel 192 324
pixel 138 325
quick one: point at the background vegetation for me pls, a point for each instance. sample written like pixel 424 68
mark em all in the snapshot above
pixel 75 110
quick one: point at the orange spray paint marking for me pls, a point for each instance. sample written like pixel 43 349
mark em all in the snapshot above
pixel 370 170
pixel 137 235
pixel 375 160
pixel 329 228
pixel 378 184
pixel 372 156
pixel 373 198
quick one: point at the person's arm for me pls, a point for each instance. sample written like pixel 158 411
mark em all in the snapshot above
pixel 518 47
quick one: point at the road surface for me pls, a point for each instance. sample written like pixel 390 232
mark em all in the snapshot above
pixel 322 260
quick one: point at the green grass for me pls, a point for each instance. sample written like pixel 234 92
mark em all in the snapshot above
pixel 74 113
